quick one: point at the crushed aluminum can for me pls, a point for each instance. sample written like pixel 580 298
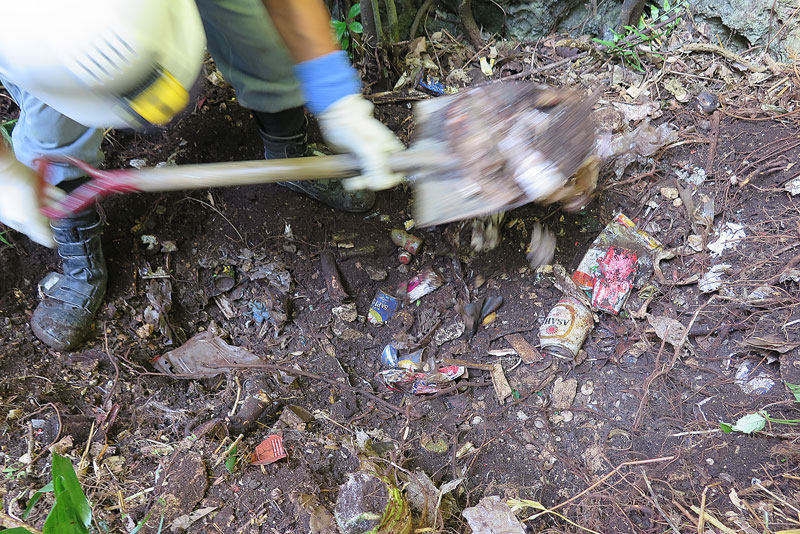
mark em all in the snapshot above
pixel 391 357
pixel 622 233
pixel 565 329
pixel 424 283
pixel 406 241
pixel 614 280
pixel 418 383
pixel 404 257
pixel 383 307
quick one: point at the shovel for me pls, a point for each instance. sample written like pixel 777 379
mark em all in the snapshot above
pixel 483 150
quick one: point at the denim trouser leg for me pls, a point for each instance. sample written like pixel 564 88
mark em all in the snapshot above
pixel 250 54
pixel 41 130
pixel 243 42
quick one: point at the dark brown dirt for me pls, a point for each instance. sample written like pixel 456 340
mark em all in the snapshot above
pixel 522 449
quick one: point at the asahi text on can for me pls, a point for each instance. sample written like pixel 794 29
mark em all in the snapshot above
pixel 565 329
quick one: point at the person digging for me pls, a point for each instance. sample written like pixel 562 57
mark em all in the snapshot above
pixel 96 64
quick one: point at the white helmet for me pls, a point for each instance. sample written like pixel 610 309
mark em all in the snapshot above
pixel 104 63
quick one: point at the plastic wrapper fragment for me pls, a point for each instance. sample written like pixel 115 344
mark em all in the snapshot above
pixel 423 284
pixel 614 280
pixel 417 383
pixel 620 233
pixel 392 357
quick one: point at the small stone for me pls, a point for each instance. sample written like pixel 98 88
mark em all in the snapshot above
pixel 346 312
pixel 677 203
pixel 696 242
pixel 564 393
pixel 710 461
pixel 670 193
pixel 522 416
pixel 375 274
pixel 476 420
pixel 587 388
pixel 538 423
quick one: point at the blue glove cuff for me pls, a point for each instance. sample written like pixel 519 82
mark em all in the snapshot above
pixel 327 79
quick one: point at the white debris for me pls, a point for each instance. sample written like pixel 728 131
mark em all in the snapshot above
pixel 758 385
pixel 728 237
pixel 692 174
pixel 712 279
pixel 793 186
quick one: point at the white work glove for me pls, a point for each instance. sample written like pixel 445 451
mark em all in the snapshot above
pixel 348 126
pixel 19 204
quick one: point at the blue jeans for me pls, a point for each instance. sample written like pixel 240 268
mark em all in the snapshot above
pixel 246 48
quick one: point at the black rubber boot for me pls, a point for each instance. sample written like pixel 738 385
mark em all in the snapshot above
pixel 70 299
pixel 284 136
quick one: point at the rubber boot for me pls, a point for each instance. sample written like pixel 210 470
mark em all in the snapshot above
pixel 285 136
pixel 70 299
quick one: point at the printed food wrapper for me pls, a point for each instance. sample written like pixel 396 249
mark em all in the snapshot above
pixel 614 280
pixel 621 233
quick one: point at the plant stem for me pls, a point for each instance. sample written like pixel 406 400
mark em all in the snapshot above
pixel 468 21
pixel 391 15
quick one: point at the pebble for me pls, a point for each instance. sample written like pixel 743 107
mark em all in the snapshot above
pixel 670 193
pixel 476 420
pixel 587 388
pixel 538 423
pixel 677 203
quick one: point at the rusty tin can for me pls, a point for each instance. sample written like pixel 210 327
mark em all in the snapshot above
pixel 404 257
pixel 565 329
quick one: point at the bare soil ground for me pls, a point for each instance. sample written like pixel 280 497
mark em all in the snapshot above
pixel 147 455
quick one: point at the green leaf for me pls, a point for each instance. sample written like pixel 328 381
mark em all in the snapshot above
pixel 345 41
pixel 725 427
pixel 752 422
pixel 71 513
pixel 795 389
pixel 654 12
pixel 355 27
pixel 354 11
pixel 230 461
pixel 7 243
pixel 604 43
pixel 36 496
pixel 141 523
pixel 17 530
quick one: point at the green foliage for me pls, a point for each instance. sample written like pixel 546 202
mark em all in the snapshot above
pixel 345 29
pixel 230 461
pixel 5 130
pixel 71 512
pixel 625 46
pixel 754 422
pixel 7 243
pixel 795 389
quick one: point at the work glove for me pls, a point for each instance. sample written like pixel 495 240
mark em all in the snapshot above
pixel 19 203
pixel 333 94
pixel 348 126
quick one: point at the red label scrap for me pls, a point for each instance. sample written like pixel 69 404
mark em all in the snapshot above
pixel 614 279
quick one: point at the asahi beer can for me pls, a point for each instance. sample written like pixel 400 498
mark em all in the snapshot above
pixel 565 329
